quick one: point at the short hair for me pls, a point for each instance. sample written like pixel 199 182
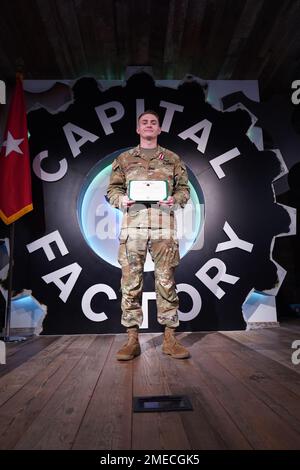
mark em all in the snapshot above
pixel 149 111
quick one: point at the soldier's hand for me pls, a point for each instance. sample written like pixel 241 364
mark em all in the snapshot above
pixel 126 202
pixel 167 203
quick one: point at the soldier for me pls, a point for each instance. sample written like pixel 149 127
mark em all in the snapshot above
pixel 149 227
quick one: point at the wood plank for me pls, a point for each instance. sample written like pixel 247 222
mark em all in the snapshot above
pixel 19 412
pixel 254 339
pixel 218 40
pixel 260 425
pixel 176 28
pixel 26 352
pixel 266 346
pixel 244 25
pixel 70 396
pixel 58 423
pixel 158 21
pixel 207 341
pixel 151 430
pixel 107 420
pixel 209 426
pixel 282 356
pixel 281 400
pixel 280 373
pixel 280 336
pixel 284 39
pixel 291 327
pixel 249 58
pixel 14 380
pixel 68 26
pixel 12 348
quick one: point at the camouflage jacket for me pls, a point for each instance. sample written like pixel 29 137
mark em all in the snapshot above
pixel 133 165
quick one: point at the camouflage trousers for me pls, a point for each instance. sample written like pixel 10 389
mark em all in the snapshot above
pixel 164 250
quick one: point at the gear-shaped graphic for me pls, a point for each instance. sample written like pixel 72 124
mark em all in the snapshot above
pixel 231 255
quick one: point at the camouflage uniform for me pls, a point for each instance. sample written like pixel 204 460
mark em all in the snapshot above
pixel 150 228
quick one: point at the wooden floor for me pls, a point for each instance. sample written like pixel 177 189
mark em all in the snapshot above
pixel 69 392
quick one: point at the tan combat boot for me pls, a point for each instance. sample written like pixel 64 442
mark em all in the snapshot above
pixel 131 348
pixel 172 346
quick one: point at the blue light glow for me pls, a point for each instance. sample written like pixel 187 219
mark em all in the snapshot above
pixel 25 302
pixel 256 297
pixel 100 223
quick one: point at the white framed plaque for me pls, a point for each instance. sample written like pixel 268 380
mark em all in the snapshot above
pixel 148 190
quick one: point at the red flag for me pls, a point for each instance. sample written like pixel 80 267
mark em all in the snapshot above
pixel 15 175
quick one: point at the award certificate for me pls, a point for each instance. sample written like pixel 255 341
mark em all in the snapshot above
pixel 148 190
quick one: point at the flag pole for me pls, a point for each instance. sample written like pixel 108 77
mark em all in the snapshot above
pixel 7 319
pixel 7 338
pixel 10 280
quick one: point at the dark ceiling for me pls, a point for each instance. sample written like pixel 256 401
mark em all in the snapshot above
pixel 212 39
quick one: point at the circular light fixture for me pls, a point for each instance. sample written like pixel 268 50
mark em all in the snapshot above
pixel 100 223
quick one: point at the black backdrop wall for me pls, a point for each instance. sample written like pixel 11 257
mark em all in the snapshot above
pixel 227 251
